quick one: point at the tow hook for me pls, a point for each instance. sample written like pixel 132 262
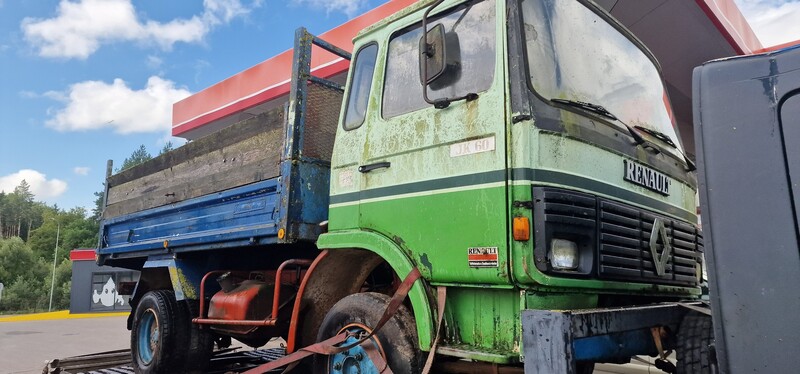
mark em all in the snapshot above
pixel 661 362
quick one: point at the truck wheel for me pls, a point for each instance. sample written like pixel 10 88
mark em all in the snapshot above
pixel 396 341
pixel 156 333
pixel 200 343
pixel 695 345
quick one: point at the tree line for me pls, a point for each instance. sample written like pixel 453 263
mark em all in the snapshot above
pixel 28 249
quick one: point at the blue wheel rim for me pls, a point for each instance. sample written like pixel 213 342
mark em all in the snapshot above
pixel 354 360
pixel 148 336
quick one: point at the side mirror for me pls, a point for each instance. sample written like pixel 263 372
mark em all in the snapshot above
pixel 432 52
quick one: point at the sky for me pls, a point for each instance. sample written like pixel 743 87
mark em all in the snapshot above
pixel 84 81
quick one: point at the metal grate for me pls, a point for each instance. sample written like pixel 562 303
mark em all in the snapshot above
pixel 322 117
pixel 624 249
pixel 570 208
pixel 618 234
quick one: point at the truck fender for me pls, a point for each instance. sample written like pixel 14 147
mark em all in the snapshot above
pixel 161 274
pixel 341 271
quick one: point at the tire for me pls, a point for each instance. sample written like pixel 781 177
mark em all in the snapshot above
pixel 200 343
pixel 695 345
pixel 156 334
pixel 397 339
pixel 179 346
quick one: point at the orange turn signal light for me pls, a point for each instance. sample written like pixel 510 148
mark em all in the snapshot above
pixel 522 229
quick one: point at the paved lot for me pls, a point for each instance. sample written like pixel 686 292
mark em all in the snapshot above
pixel 25 346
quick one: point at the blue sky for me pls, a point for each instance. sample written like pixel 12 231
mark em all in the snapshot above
pixel 76 76
pixel 83 81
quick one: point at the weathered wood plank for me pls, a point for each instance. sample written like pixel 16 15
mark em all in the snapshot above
pixel 271 120
pixel 207 184
pixel 244 153
pixel 263 146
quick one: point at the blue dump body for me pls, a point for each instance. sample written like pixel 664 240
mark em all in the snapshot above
pixel 240 216
pixel 262 181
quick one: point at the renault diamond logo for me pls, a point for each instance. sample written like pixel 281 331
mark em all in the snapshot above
pixel 660 231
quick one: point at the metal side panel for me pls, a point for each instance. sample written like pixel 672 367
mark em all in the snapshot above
pixel 244 215
pixel 554 342
pixel 751 232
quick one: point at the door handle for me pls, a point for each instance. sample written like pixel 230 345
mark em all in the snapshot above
pixel 370 167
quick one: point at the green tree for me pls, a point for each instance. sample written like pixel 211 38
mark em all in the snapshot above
pixel 138 156
pixel 24 275
pixel 76 231
pixel 166 148
pixel 17 213
pixel 97 210
pixel 15 259
pixel 63 284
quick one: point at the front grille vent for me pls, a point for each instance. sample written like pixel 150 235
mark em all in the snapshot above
pixel 625 246
pixel 621 235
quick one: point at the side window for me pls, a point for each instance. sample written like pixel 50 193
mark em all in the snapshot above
pixel 360 86
pixel 473 25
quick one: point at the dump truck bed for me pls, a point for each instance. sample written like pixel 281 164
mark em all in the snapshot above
pixel 238 186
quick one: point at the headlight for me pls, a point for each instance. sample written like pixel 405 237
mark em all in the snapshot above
pixel 564 255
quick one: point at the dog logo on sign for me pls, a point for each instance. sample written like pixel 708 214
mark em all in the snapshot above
pixel 108 296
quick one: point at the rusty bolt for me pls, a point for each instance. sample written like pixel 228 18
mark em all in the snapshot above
pixel 359 356
pixel 337 366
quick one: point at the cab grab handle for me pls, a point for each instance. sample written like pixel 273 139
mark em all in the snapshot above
pixel 370 167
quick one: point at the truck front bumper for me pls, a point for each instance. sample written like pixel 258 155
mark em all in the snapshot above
pixel 554 341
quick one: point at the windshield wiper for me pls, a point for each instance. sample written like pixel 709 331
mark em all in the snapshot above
pixel 599 109
pixel 658 135
pixel 637 138
pixel 666 139
pixel 594 108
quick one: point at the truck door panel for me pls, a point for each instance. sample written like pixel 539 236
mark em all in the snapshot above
pixel 437 179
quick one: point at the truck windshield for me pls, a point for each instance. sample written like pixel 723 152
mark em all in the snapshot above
pixel 575 54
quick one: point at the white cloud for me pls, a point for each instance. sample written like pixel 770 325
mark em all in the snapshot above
pixel 81 27
pixel 93 105
pixel 25 94
pixel 81 170
pixel 349 7
pixel 41 187
pixel 773 21
pixel 154 62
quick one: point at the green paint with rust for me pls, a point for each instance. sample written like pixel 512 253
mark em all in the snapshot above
pixel 433 229
pixel 484 318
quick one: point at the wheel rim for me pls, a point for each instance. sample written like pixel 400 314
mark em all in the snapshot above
pixel 148 336
pixel 355 360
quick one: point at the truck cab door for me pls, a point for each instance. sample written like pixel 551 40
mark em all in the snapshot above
pixel 434 180
pixel 345 181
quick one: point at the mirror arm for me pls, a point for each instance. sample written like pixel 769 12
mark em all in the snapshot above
pixel 436 103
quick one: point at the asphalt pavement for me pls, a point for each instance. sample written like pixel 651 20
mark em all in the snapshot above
pixel 26 345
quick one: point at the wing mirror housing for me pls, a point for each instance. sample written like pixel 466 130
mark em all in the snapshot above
pixel 432 54
pixel 439 61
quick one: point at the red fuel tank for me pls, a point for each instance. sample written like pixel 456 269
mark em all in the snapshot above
pixel 250 300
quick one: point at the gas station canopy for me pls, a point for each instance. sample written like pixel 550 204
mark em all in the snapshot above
pixel 681 33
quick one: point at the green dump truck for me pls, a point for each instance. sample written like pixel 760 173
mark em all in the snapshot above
pixel 512 167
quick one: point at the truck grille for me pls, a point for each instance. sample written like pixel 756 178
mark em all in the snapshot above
pixel 621 235
pixel 624 246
